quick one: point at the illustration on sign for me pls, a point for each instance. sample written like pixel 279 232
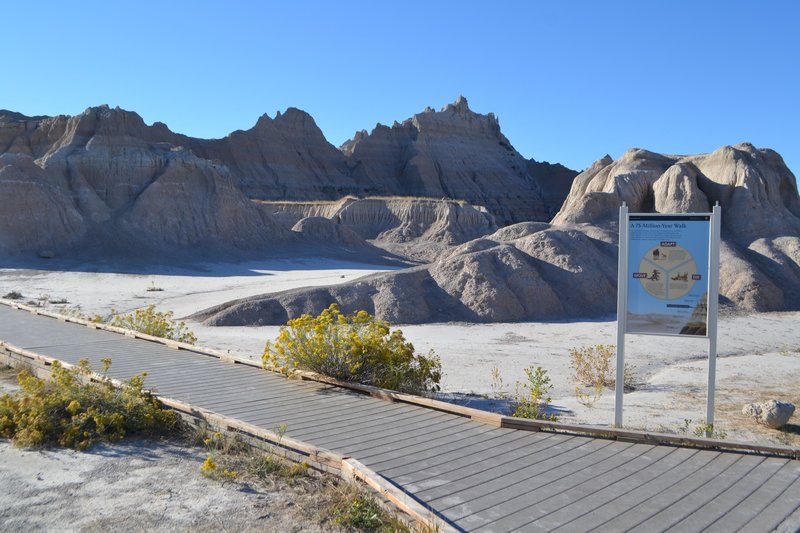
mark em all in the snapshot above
pixel 668 263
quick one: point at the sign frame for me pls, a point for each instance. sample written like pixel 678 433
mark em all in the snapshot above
pixel 623 293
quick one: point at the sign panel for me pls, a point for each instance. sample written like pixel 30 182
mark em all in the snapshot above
pixel 668 274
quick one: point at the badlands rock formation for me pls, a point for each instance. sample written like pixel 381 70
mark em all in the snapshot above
pixel 534 271
pixel 105 171
pixel 527 271
pixel 760 256
pixel 418 228
pixel 100 175
pixel 456 153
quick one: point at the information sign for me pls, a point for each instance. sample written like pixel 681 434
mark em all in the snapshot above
pixel 668 269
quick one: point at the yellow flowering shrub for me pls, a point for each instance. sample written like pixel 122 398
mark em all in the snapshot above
pixel 155 323
pixel 357 348
pixel 71 411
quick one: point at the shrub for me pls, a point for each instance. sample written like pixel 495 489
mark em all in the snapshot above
pixel 13 295
pixel 703 430
pixel 72 411
pixel 533 397
pixel 357 348
pixel 592 370
pixel 155 323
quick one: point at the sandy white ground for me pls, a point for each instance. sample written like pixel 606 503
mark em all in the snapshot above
pixel 759 354
pixel 136 485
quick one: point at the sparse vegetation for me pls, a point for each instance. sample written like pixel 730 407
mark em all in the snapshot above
pixel 153 288
pixel 74 411
pixel 533 397
pixel 703 430
pixel 156 323
pixel 357 348
pixel 497 385
pixel 345 505
pixel 592 372
pixel 13 295
pixel 355 509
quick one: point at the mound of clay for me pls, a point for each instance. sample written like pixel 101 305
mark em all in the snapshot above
pixel 760 255
pixel 514 274
pixel 536 271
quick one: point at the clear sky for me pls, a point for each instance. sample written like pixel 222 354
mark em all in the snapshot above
pixel 570 81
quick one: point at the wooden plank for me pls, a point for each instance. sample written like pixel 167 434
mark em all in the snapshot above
pixel 494 438
pixel 469 435
pixel 695 499
pixel 632 517
pixel 255 399
pixel 543 508
pixel 361 430
pixel 311 408
pixel 731 497
pixel 401 418
pixel 644 491
pixel 200 382
pixel 483 463
pixel 406 441
pixel 775 514
pixel 582 516
pixel 346 424
pixel 761 497
pixel 499 506
pixel 489 475
pixel 385 415
pixel 294 417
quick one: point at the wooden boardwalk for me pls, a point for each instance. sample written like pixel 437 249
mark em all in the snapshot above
pixel 472 475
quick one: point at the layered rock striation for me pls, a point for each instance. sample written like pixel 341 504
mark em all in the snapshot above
pixel 94 171
pixel 456 153
pixel 104 177
pixel 567 269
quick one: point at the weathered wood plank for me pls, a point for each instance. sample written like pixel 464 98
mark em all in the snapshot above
pixel 311 407
pixel 401 418
pixel 782 506
pixel 582 516
pixel 734 495
pixel 759 499
pixel 406 441
pixel 668 495
pixel 539 508
pixel 534 485
pixel 469 434
pixel 467 450
pixel 490 475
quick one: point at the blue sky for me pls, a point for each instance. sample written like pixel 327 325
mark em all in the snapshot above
pixel 569 81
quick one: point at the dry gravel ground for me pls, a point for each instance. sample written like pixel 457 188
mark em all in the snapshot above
pixel 141 485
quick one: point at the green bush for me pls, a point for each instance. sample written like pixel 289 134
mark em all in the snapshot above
pixel 74 412
pixel 155 323
pixel 533 397
pixel 357 348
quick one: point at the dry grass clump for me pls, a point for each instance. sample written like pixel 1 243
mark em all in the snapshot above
pixel 592 372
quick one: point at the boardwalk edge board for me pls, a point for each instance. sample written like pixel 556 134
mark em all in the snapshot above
pixel 486 417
